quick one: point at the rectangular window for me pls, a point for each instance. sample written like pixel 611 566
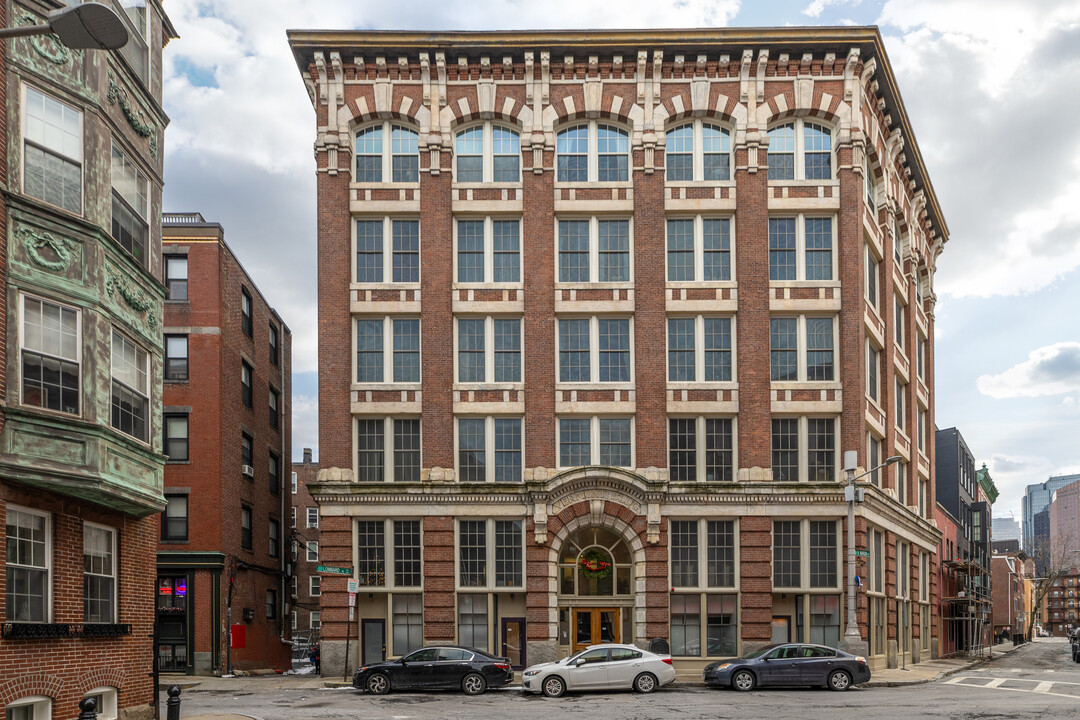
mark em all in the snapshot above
pixel 594 347
pixel 823 548
pixel 782 251
pixel 371 553
pixel 497 361
pixel 130 190
pixel 615 442
pixel 176 277
pixel 825 620
pixel 245 384
pixel 292 522
pixel 315 620
pixel 408 623
pixel 921 358
pixel 245 528
pixel 821 449
pixel 407 450
pixel 51 350
pixel 472 620
pixel 130 387
pixel 787 550
pixel 401 356
pixel 274 538
pixel 52 152
pixel 874 458
pixel 683 536
pixel 271 603
pixel 594 250
pixel 873 267
pixel 800 248
pixel 508 554
pixel 685 625
pixel 175 443
pixel 397 437
pixel 370 445
pixel 815 335
pixel 99 574
pixel 901 404
pixel 686 435
pixel 819 349
pixel 699 250
pixel 313 551
pixel 294 488
pixel 475 438
pixel 472 548
pixel 176 357
pixel 246 322
pixel 312 519
pixel 273 343
pixel 246 449
pixel 873 371
pixel 489 250
pixel 785 449
pixel 315 585
pixel 712 363
pixel 783 349
pixel 898 321
pixel 387 250
pixel 407 553
pixel 274 399
pixel 720 548
pixel 28 553
pixel 273 472
pixel 174 519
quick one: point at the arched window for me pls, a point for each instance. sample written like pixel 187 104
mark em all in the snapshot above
pixel 387 152
pixel 592 152
pixel 698 151
pixel 488 153
pixel 800 150
pixel 594 561
pixel 32 707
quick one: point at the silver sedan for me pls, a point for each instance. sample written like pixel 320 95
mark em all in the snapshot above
pixel 601 667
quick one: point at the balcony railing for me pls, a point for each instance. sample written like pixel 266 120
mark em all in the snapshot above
pixel 48 631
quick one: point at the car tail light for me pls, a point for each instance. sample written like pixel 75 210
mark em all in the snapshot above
pixel 502 665
pixel 668 661
pixel 860 659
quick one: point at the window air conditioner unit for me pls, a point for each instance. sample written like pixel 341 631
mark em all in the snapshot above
pixel 247 471
pixel 249 614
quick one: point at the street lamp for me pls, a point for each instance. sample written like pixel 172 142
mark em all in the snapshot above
pixel 853 642
pixel 80 27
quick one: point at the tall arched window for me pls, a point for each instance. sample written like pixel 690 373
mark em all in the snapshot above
pixel 488 153
pixel 594 561
pixel 387 152
pixel 698 151
pixel 800 150
pixel 592 152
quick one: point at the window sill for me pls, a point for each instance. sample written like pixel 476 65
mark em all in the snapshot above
pixel 169 301
pixel 517 185
pixel 487 286
pixel 175 381
pixel 174 541
pixel 569 386
pixel 805 385
pixel 804 284
pixel 393 387
pixel 353 185
pixel 701 284
pixel 185 461
pixel 804 183
pixel 385 286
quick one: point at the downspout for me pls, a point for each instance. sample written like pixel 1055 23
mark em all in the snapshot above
pixel 284 489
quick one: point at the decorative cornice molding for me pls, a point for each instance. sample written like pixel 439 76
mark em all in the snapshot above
pixel 114 284
pixel 33 241
pixel 135 117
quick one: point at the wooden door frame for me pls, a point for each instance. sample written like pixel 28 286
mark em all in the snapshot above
pixel 502 635
pixel 595 611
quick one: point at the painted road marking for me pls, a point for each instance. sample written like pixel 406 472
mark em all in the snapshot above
pixel 1042 687
pixel 994 683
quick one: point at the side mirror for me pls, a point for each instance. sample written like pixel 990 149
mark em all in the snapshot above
pixel 402 661
pixel 579 662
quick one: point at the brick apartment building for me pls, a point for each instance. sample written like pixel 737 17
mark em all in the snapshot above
pixel 227 428
pixel 1009 575
pixel 599 314
pixel 80 366
pixel 1062 604
pixel 306 593
pixel 1064 517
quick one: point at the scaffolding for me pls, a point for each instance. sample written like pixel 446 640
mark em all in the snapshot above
pixel 968 619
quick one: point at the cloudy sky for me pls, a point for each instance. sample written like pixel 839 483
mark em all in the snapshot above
pixel 990 87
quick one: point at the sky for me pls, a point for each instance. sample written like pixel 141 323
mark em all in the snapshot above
pixel 989 86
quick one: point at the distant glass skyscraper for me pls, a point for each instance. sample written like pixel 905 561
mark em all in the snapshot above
pixel 1037 499
pixel 1006 529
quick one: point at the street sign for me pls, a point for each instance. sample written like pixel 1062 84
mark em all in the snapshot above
pixel 333 570
pixel 354 586
pixel 862 553
pixel 352 599
pixel 352 614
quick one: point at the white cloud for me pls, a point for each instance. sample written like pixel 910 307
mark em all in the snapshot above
pixel 815 8
pixel 1050 370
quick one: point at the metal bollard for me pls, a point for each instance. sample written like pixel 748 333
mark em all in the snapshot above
pixel 87 709
pixel 172 705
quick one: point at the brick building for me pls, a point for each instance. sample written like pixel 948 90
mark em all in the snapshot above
pixel 1008 574
pixel 306 593
pixel 599 314
pixel 227 427
pixel 1064 521
pixel 1061 613
pixel 80 366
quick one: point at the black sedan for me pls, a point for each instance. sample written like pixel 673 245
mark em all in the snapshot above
pixel 790 664
pixel 432 668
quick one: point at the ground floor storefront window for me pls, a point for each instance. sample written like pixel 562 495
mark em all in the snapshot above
pixel 718 624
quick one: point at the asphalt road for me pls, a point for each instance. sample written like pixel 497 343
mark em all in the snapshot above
pixel 1038 681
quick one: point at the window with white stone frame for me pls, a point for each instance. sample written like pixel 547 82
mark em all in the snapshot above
pixel 104 702
pixel 312 550
pixel 802 348
pixel 487 250
pixel 387 152
pixel 924 600
pixel 899 314
pixel 700 349
pixel 704 582
pixel 487 350
pixel 314 585
pixel 592 152
pixel 873 457
pixel 490 562
pixel 388 449
pixel 487 153
pixel 387 250
pixel 900 401
pixel 873 371
pixel 28 541
pixel 873 272
pixel 699 249
pixel 801 248
pixel 800 150
pixel 312 517
pixel 489 449
pixel 804 449
pixel 597 349
pixel 50 349
pixel 387 350
pixel 607 441
pixel 701 449
pixel 697 151
pixel 806 563
pixel 594 250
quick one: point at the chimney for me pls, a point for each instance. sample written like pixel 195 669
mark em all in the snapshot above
pixel 307 456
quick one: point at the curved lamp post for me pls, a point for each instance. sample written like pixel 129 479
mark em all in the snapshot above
pixel 80 27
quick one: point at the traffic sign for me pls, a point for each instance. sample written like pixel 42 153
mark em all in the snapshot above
pixel 333 570
pixel 354 586
pixel 862 553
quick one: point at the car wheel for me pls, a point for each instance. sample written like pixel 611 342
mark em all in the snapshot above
pixel 743 680
pixel 645 683
pixel 554 686
pixel 474 684
pixel 839 680
pixel 378 684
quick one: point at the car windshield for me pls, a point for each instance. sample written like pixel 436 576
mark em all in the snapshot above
pixel 758 653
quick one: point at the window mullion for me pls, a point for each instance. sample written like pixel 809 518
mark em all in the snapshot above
pixel 387 250
pixel 489 450
pixel 699 248
pixel 699 448
pixel 592 161
pixel 800 164
pixel 594 349
pixel 388 349
pixel 594 249
pixel 699 348
pixel 699 153
pixel 488 161
pixel 388 449
pixel 489 349
pixel 594 440
pixel 489 249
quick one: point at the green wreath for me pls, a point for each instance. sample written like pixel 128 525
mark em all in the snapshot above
pixel 595 564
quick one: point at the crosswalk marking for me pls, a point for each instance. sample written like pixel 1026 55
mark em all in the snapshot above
pixel 995 683
pixel 1043 687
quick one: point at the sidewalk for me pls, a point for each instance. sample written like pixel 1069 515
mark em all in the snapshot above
pixel 932 670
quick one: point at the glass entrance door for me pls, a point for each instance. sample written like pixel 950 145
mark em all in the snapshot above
pixel 594 625
pixel 513 641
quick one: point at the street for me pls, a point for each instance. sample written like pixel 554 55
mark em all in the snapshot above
pixel 1038 680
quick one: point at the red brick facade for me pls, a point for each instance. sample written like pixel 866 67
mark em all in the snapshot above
pixel 430 88
pixel 303 602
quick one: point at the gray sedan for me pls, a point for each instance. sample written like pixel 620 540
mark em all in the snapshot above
pixel 601 667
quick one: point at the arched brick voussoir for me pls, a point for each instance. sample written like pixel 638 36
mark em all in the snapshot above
pixel 21 686
pixel 363 110
pixel 101 677
pixel 832 109
pixel 558 113
pixel 467 108
pixel 723 109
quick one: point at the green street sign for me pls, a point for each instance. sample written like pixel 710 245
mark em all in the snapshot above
pixel 333 570
pixel 859 553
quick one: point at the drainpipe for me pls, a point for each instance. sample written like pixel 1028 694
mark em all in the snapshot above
pixel 284 489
